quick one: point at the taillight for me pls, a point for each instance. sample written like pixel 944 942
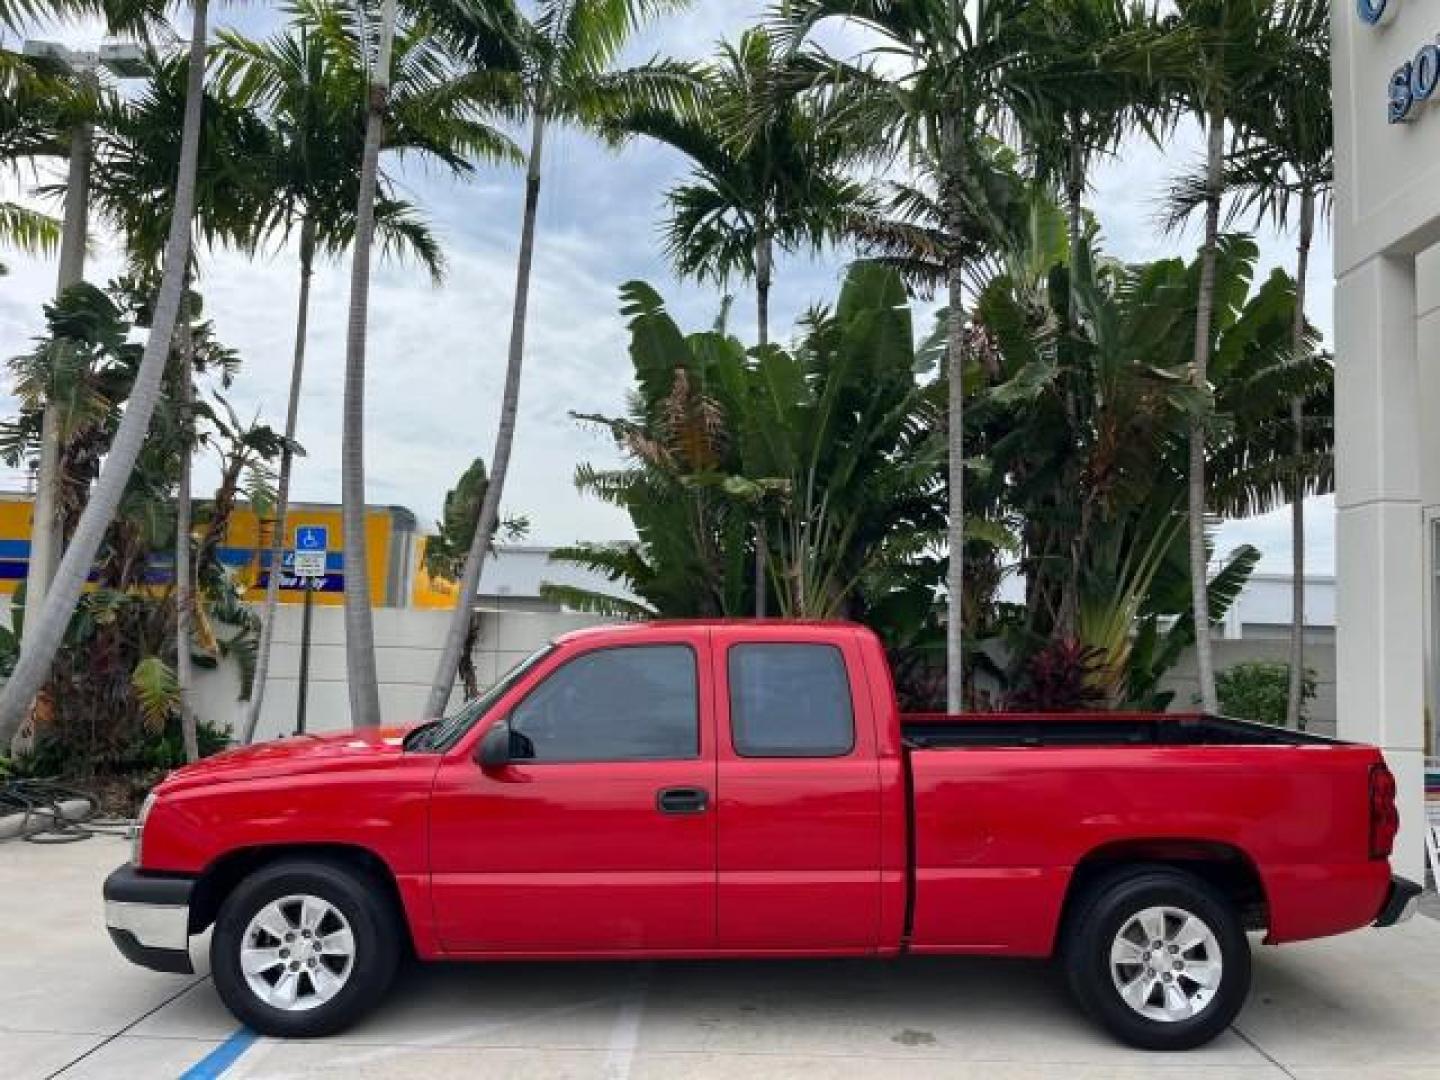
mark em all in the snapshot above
pixel 1384 818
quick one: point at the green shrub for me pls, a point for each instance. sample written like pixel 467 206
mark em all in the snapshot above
pixel 1258 689
pixel 144 752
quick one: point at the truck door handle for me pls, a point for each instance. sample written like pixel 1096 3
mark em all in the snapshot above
pixel 682 800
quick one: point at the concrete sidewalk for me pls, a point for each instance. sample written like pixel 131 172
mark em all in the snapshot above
pixel 1366 1005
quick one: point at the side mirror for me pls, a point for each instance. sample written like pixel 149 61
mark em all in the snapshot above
pixel 494 751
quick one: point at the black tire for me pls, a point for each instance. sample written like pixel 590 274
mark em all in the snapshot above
pixel 372 923
pixel 1108 907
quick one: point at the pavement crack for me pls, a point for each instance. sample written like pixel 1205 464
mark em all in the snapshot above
pixel 1262 1051
pixel 128 1027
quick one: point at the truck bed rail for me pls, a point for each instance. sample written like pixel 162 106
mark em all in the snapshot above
pixel 941 731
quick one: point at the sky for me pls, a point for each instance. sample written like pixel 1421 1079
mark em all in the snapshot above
pixel 437 354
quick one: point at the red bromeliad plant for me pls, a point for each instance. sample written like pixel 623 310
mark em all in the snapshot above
pixel 1064 676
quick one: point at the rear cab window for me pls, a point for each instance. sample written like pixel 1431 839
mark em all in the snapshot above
pixel 789 700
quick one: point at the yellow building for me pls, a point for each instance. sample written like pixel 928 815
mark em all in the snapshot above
pixel 393 546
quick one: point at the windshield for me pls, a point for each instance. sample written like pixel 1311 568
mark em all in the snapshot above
pixel 447 731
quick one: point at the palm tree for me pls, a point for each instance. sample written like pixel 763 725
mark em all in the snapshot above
pixel 1296 138
pixel 960 79
pixel 1099 77
pixel 753 187
pixel 120 16
pixel 45 112
pixel 184 520
pixel 27 230
pixel 309 80
pixel 1236 48
pixel 29 109
pixel 1284 167
pixel 359 626
pixel 569 47
pixel 47 626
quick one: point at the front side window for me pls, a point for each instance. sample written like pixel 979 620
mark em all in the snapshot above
pixel 790 701
pixel 636 703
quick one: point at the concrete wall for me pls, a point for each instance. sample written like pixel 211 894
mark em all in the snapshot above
pixel 1319 657
pixel 407 646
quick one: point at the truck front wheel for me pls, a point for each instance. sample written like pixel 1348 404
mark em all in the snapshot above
pixel 303 948
pixel 1159 958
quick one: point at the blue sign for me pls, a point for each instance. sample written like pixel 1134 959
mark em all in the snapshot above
pixel 312 537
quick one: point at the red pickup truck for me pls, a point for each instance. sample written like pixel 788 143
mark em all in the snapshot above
pixel 716 789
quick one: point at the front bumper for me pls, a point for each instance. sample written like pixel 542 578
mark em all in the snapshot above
pixel 1401 901
pixel 148 917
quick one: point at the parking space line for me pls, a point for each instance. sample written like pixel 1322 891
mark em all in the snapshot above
pixel 222 1057
pixel 625 1034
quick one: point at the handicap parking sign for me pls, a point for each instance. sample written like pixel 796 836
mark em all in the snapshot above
pixel 311 538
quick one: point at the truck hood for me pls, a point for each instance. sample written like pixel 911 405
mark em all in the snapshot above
pixel 292 755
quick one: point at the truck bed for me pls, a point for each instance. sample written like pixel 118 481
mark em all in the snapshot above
pixel 1007 808
pixel 942 731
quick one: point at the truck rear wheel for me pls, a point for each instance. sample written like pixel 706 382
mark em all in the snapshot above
pixel 303 948
pixel 1159 958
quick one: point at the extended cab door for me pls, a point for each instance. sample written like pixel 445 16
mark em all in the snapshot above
pixel 800 791
pixel 601 838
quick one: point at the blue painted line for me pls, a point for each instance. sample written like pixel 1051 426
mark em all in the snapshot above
pixel 222 1057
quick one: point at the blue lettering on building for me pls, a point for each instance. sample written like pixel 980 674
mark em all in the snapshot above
pixel 1371 11
pixel 1414 82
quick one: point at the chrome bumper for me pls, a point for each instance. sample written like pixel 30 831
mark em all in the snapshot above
pixel 155 926
pixel 149 918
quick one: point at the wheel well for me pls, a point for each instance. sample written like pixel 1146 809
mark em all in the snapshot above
pixel 222 876
pixel 1224 867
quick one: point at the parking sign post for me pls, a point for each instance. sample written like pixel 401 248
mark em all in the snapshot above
pixel 311 551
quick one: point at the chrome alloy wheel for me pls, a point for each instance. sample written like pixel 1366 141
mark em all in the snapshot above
pixel 297 952
pixel 1166 964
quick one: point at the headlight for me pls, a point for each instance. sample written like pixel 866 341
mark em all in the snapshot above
pixel 137 831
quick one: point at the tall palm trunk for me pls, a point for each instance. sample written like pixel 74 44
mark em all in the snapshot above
pixel 46 627
pixel 184 572
pixel 951 180
pixel 1204 312
pixel 1068 616
pixel 359 625
pixel 1074 212
pixel 764 273
pixel 1297 494
pixel 45 542
pixel 282 501
pixel 460 621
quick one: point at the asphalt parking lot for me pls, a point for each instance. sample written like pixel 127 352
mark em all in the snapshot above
pixel 1365 1005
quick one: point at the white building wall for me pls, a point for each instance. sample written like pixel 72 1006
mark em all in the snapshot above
pixel 1264 607
pixel 407 647
pixel 1387 212
pixel 518 571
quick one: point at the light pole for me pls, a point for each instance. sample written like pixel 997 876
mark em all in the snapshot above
pixel 124 60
